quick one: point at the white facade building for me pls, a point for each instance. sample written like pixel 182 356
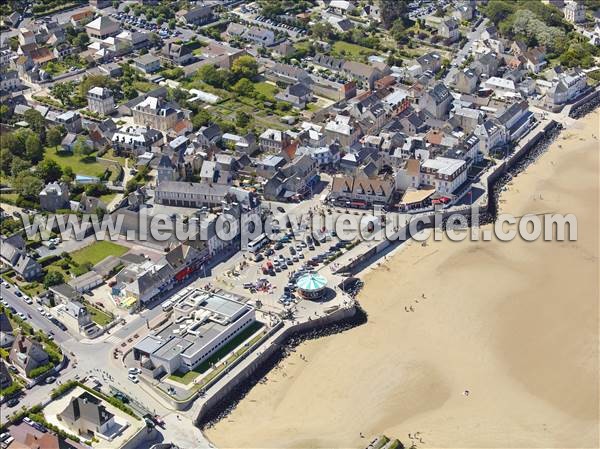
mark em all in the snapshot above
pixel 575 12
pixel 445 174
pixel 100 100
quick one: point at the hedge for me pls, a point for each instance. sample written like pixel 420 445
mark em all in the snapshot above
pixel 39 418
pixel 62 389
pixel 18 416
pixel 10 391
pixel 112 401
pixel 40 370
pixel 48 260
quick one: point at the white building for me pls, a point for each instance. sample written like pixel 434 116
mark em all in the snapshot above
pixel 565 89
pixel 102 27
pixel 342 129
pixel 443 173
pixel 491 134
pixel 575 12
pixel 155 113
pixel 201 324
pixel 260 36
pixel 9 80
pixel 502 87
pixel 100 100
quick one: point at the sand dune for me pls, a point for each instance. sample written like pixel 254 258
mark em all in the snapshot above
pixel 514 323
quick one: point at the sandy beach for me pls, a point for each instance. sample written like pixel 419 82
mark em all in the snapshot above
pixel 515 324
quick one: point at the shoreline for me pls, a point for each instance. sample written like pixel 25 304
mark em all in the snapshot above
pixel 228 403
pixel 500 183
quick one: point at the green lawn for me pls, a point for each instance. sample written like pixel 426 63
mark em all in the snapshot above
pixel 110 154
pixel 144 86
pixel 98 316
pixel 9 198
pixel 81 165
pixel 107 198
pixel 267 89
pixel 98 251
pixel 347 50
pixel 302 46
pixel 87 165
pixel 186 378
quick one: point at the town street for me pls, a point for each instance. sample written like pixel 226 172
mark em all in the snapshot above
pixel 464 52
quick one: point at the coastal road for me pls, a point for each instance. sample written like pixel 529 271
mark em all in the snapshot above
pixel 464 52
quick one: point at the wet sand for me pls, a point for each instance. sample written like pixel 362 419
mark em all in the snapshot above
pixel 515 324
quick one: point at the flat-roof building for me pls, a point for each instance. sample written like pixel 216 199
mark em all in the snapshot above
pixel 202 322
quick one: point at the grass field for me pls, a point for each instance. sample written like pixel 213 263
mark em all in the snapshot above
pixel 98 316
pixel 186 378
pixel 87 165
pixel 267 89
pixel 98 251
pixel 107 198
pixel 9 198
pixel 347 50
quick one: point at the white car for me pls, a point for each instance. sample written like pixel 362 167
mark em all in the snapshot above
pixel 22 315
pixel 28 301
pixel 41 310
pixel 133 378
pixel 134 371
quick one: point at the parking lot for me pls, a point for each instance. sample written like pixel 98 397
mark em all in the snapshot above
pixel 269 275
pixel 141 24
pixel 250 14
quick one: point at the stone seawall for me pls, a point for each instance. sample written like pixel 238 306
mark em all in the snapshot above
pixel 585 105
pixel 517 162
pixel 222 401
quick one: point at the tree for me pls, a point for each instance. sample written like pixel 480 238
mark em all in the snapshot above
pixel 37 123
pixel 19 166
pixel 212 76
pixel 172 24
pixel 398 32
pixel 81 41
pixel 244 67
pixel 5 160
pixel 68 174
pixel 28 186
pixel 82 147
pixel 498 10
pixel 390 10
pixel 321 31
pixel 242 119
pixel 54 136
pixel 244 87
pixel 34 149
pixel 49 170
pixel 53 278
pixel 202 118
pixel 5 113
pixel 62 92
pixel 96 81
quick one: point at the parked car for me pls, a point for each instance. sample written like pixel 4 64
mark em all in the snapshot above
pixel 50 379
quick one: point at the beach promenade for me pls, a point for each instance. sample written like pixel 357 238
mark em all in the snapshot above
pixel 444 318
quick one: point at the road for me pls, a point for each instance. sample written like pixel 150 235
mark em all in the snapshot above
pixel 464 52
pixel 96 358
